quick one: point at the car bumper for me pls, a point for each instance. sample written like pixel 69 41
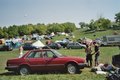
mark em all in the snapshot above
pixel 82 65
pixel 11 68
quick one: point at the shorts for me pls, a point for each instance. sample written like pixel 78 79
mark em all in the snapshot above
pixel 96 57
pixel 88 57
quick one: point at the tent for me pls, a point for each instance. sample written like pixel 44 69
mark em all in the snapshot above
pixel 38 44
pixel 86 40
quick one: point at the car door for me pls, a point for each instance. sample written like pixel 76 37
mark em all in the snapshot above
pixel 51 62
pixel 74 45
pixel 36 61
pixel 77 46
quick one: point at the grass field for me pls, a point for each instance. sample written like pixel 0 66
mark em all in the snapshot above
pixel 105 56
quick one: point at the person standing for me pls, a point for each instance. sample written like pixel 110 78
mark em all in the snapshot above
pixel 21 51
pixel 96 52
pixel 88 52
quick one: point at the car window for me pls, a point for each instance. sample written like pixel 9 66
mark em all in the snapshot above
pixel 38 55
pixel 35 55
pixel 71 44
pixel 31 55
pixel 56 53
pixel 77 44
pixel 48 54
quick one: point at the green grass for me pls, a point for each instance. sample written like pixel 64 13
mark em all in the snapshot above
pixel 105 56
pixel 80 33
pixel 55 77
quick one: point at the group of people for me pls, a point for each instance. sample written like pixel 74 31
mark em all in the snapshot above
pixel 90 53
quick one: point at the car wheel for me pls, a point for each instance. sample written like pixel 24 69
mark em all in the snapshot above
pixel 24 70
pixel 68 47
pixel 72 68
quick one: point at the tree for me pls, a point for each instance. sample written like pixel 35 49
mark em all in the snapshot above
pixel 13 31
pixel 69 27
pixel 5 31
pixel 83 24
pixel 115 26
pixel 29 28
pixel 100 24
pixel 55 27
pixel 40 29
pixel 91 25
pixel 117 17
pixel 22 30
pixel 1 33
pixel 117 21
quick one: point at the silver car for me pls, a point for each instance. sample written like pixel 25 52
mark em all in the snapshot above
pixel 75 45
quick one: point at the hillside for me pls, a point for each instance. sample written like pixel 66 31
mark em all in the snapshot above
pixel 80 33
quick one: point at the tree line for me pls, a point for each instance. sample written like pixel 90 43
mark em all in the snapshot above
pixel 102 23
pixel 28 29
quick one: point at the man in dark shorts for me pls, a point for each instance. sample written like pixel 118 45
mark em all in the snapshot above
pixel 97 53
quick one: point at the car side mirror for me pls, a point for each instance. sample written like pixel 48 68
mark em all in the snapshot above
pixel 54 56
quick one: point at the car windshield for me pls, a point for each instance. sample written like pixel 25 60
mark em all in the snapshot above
pixel 57 53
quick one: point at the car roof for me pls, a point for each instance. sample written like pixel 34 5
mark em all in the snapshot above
pixel 36 51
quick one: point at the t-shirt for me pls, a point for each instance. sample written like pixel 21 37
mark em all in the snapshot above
pixel 96 48
pixel 88 50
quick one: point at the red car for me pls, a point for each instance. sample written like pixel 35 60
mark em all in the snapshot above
pixel 45 60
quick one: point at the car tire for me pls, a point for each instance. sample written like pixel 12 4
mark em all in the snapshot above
pixel 68 47
pixel 72 68
pixel 24 70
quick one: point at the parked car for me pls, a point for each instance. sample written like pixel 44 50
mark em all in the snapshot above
pixel 43 60
pixel 48 37
pixel 6 48
pixel 29 46
pixel 63 42
pixel 54 45
pixel 75 45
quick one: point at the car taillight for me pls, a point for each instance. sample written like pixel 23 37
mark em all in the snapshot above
pixel 7 64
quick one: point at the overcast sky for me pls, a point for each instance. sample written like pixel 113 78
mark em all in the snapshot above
pixel 20 12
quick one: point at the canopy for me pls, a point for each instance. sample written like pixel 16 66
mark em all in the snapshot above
pixel 38 44
pixel 86 40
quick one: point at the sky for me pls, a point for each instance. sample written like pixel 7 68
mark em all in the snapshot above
pixel 19 12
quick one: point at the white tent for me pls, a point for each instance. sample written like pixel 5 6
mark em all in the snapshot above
pixel 86 40
pixel 38 44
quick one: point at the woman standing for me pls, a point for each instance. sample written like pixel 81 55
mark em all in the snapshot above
pixel 88 52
